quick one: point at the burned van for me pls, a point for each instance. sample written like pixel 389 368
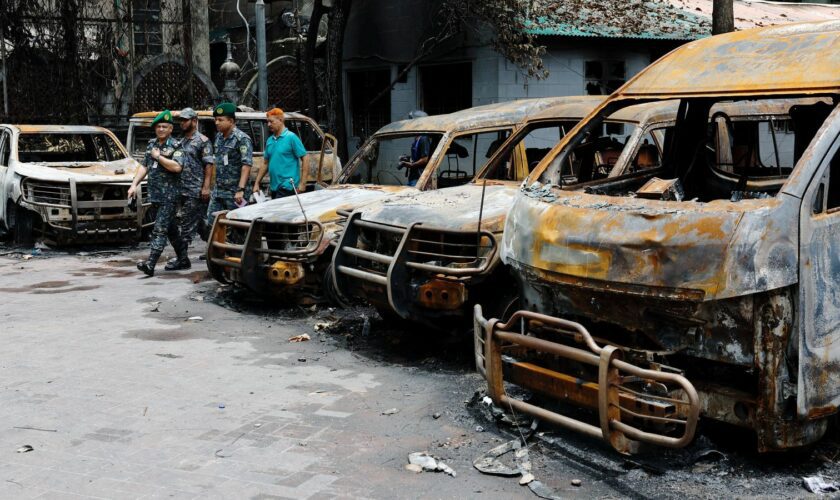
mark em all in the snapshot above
pixel 704 286
pixel 284 246
pixel 425 257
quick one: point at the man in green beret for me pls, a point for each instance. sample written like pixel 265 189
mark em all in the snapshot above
pixel 234 154
pixel 164 189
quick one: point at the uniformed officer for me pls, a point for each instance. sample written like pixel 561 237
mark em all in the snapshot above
pixel 195 155
pixel 233 151
pixel 164 189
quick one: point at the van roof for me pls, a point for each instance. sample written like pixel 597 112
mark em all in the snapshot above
pixel 798 58
pixel 488 115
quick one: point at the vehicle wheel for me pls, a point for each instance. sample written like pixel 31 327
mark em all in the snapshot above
pixel 330 292
pixel 24 226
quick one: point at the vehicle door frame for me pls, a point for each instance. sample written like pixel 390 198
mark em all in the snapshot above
pixel 6 173
pixel 818 315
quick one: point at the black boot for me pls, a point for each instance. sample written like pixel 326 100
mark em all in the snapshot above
pixel 182 261
pixel 148 266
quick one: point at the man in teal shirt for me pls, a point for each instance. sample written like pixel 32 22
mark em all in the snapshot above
pixel 283 157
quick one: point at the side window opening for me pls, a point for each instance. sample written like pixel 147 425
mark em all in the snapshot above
pixel 308 135
pixel 536 144
pixel 466 155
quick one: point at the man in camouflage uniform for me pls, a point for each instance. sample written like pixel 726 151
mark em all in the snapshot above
pixel 195 155
pixel 234 153
pixel 164 189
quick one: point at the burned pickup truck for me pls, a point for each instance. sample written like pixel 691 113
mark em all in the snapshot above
pixel 284 246
pixel 68 184
pixel 705 286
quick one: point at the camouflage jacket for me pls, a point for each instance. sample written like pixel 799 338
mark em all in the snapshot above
pixel 163 184
pixel 231 154
pixel 193 154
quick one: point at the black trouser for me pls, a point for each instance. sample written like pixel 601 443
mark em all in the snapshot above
pixel 281 193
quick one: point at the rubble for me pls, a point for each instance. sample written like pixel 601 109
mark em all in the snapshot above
pixel 426 462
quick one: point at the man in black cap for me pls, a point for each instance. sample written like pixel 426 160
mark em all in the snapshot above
pixel 195 155
pixel 164 189
pixel 234 153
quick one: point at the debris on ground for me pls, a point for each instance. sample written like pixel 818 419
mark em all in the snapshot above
pixel 436 415
pixel 25 449
pixel 816 484
pixel 325 325
pixel 390 411
pixel 576 482
pixel 429 463
pixel 300 338
pixel 413 468
pixel 490 463
pixel 155 307
pixel 195 318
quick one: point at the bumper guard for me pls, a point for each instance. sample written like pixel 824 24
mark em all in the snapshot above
pixel 619 407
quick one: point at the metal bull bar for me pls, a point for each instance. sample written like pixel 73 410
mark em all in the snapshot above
pixel 617 405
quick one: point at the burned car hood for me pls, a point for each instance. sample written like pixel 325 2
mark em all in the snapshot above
pixel 715 250
pixel 319 205
pixel 448 208
pixel 113 171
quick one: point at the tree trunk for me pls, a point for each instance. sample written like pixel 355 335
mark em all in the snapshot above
pixel 723 17
pixel 335 90
pixel 309 60
pixel 76 111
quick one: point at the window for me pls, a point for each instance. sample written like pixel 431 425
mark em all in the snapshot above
pixel 367 116
pixel 147 27
pixel 378 161
pixel 309 136
pixel 5 148
pixel 67 148
pixel 446 88
pixel 604 77
pixel 538 141
pixel 466 155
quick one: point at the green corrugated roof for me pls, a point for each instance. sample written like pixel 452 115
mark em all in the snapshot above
pixel 648 19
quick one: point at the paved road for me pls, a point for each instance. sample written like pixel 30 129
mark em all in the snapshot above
pixel 121 395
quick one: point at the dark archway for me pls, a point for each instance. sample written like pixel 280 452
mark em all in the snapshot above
pixel 159 84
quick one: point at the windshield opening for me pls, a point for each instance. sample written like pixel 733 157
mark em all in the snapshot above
pixel 384 160
pixel 67 148
pixel 717 149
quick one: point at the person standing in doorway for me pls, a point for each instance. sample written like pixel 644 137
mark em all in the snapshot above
pixel 284 153
pixel 233 154
pixel 164 189
pixel 195 155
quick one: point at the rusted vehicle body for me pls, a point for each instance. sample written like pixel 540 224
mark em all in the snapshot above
pixel 706 286
pixel 284 246
pixel 428 257
pixel 320 146
pixel 68 184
